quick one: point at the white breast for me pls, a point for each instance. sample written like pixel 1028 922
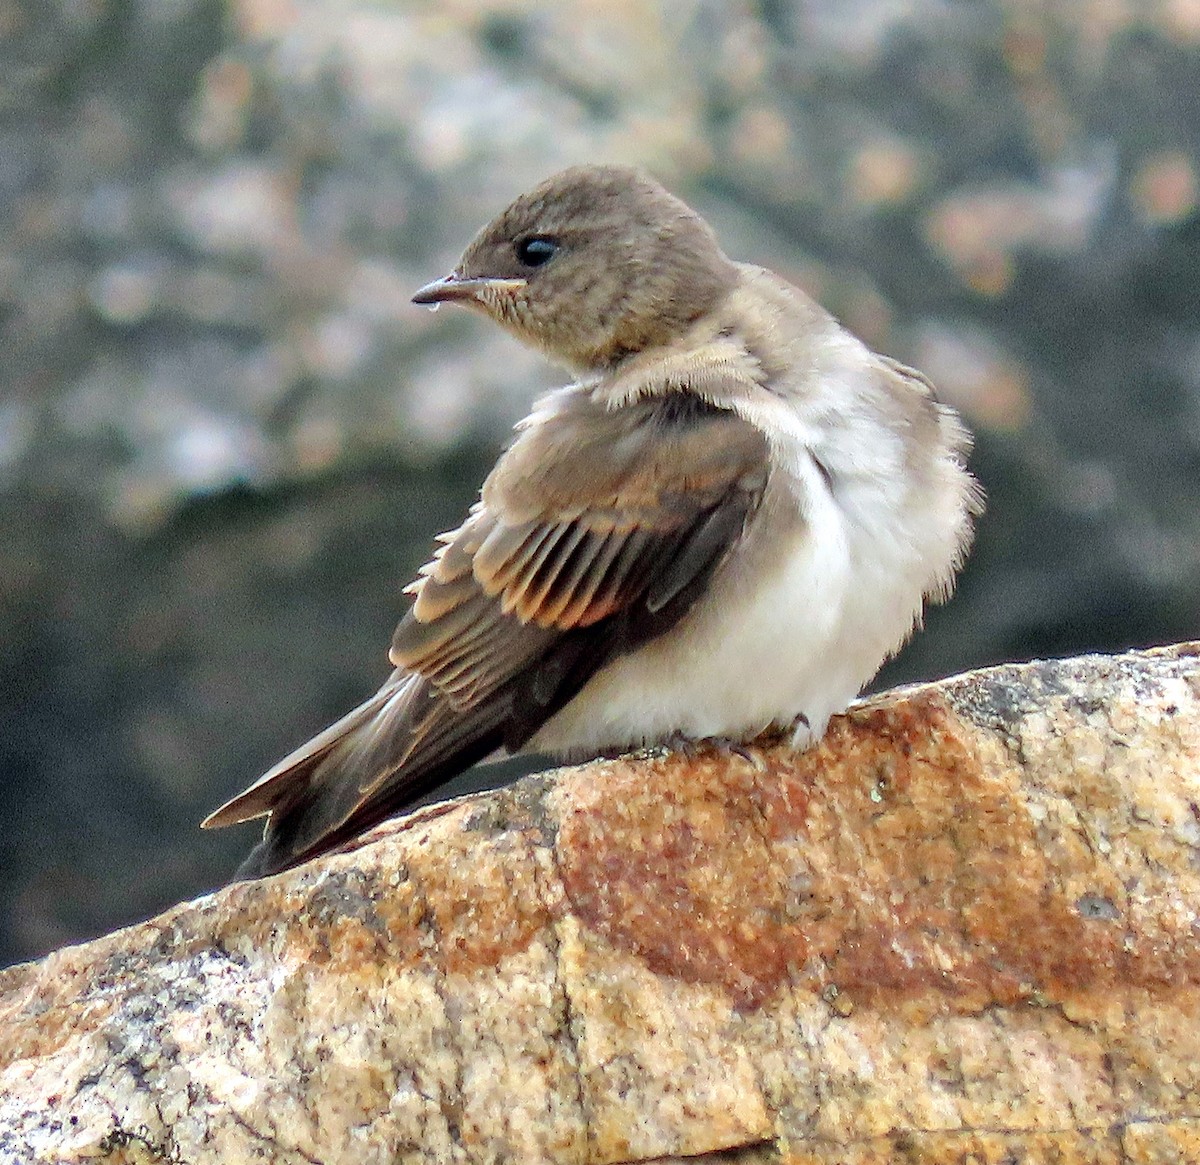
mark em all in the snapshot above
pixel 781 635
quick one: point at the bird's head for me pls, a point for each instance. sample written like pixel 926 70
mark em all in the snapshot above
pixel 594 264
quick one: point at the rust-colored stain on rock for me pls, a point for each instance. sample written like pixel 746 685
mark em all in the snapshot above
pixel 643 863
pixel 888 861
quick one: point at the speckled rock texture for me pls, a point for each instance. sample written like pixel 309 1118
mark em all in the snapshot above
pixel 965 928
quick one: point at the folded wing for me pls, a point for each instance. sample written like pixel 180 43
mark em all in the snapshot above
pixel 596 532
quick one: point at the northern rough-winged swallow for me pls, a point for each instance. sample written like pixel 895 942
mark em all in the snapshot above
pixel 727 522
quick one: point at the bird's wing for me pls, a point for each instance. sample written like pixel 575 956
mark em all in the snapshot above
pixel 593 518
pixel 595 532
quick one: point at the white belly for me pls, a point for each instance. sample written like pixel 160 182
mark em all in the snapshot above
pixel 794 624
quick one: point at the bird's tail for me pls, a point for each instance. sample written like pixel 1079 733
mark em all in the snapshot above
pixel 370 764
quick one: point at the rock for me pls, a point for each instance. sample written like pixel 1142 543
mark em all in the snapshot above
pixel 963 928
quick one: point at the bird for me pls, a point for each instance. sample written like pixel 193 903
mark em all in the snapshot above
pixel 724 523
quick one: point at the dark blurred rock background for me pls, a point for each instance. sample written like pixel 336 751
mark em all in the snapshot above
pixel 226 437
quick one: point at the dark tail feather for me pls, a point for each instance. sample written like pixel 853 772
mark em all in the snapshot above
pixel 371 765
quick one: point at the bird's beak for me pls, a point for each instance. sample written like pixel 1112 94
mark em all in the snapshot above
pixel 456 287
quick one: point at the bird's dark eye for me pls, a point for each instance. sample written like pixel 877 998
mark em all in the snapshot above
pixel 535 251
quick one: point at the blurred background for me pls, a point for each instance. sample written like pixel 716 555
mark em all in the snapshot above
pixel 226 437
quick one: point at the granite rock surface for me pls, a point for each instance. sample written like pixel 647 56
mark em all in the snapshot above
pixel 966 927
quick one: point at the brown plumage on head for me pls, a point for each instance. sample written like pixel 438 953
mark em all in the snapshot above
pixel 594 264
